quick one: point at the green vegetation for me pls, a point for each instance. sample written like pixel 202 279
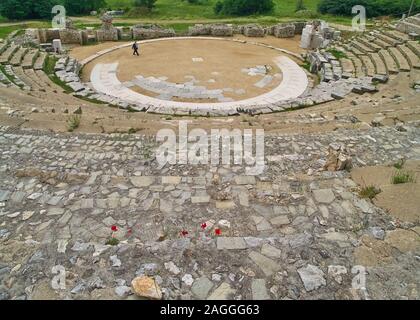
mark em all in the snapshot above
pixel 27 9
pixel 337 53
pixel 49 70
pixel 6 30
pixel 399 165
pixel 401 177
pixel 83 7
pixel 204 9
pixel 10 78
pixel 243 8
pixel 73 122
pixel 112 242
pixel 374 8
pixel 369 192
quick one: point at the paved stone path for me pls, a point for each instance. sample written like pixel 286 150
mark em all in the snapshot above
pixel 292 232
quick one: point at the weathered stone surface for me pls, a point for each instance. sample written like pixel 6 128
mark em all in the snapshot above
pixel 146 287
pixel 201 287
pixel 259 290
pixel 323 195
pixel 231 243
pixel 222 292
pixel 142 181
pixel 267 265
pixel 312 277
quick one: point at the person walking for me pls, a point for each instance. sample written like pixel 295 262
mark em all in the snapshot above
pixel 135 48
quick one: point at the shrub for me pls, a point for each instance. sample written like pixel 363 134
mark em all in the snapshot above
pixel 399 165
pixel 244 7
pixel 374 8
pixel 80 7
pixel 27 9
pixel 369 192
pixel 148 4
pixel 73 123
pixel 401 177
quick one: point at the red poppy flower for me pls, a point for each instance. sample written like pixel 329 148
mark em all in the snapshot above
pixel 114 228
pixel 204 226
pixel 184 233
pixel 129 231
pixel 218 232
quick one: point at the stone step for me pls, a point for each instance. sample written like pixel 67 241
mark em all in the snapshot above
pixel 393 42
pixel 36 84
pixel 414 20
pixel 16 79
pixel 368 65
pixel 380 43
pixel 354 50
pixel 414 46
pixel 348 66
pixel 378 63
pixel 361 46
pixel 40 61
pixel 408 27
pixel 48 84
pixel 29 59
pixel 3 47
pixel 397 35
pixel 21 75
pixel 389 61
pixel 411 57
pixel 4 79
pixel 8 53
pixel 358 65
pixel 401 61
pixel 370 44
pixel 18 56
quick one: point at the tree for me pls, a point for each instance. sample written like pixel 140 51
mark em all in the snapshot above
pixel 80 7
pixel 245 7
pixel 149 4
pixel 27 9
pixel 374 8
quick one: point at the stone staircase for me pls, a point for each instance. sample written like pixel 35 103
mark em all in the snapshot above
pixel 23 68
pixel 380 52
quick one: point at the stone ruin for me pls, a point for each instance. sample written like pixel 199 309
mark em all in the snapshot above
pixel 318 34
pixel 144 32
pixel 284 30
pixel 70 34
pixel 221 30
pixel 107 32
pixel 199 30
pixel 253 30
pixel 216 30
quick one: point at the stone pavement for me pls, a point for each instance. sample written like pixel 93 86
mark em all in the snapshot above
pixel 293 232
pixel 294 84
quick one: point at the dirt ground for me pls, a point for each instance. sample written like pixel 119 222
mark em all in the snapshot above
pixel 222 66
pixel 402 201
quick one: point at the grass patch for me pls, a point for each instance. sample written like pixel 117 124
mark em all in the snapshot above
pixel 401 177
pixel 73 122
pixel 9 77
pixel 6 30
pixel 112 242
pixel 369 192
pixel 399 165
pixel 337 53
pixel 48 69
